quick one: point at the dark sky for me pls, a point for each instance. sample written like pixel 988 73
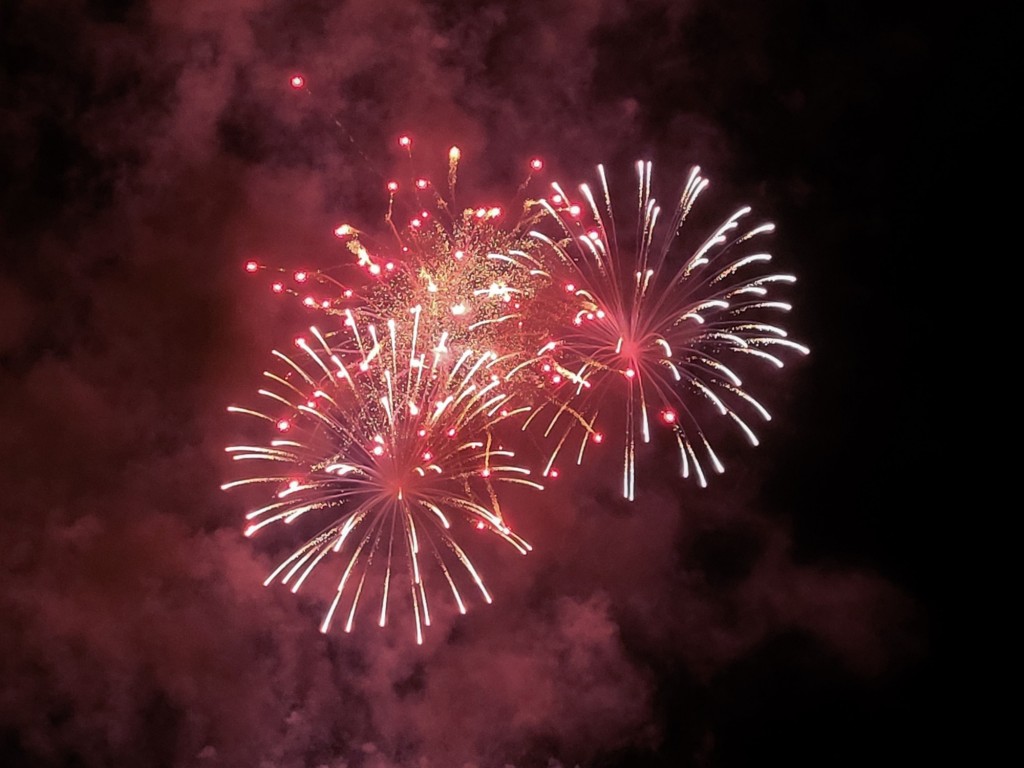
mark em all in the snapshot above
pixel 782 616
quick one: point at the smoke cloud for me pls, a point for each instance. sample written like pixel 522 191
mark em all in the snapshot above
pixel 150 148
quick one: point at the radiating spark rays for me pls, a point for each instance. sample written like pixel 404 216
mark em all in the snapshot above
pixel 397 474
pixel 648 325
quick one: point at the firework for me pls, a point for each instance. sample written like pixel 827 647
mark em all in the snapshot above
pixel 472 272
pixel 473 279
pixel 388 435
pixel 665 334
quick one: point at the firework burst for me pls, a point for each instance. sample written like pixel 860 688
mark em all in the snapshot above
pixel 389 436
pixel 472 278
pixel 471 272
pixel 662 333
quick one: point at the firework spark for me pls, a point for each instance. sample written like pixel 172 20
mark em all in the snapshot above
pixel 390 436
pixel 664 334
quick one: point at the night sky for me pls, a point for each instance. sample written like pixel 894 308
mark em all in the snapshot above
pixel 147 150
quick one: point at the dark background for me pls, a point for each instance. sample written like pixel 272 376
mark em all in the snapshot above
pixel 783 616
